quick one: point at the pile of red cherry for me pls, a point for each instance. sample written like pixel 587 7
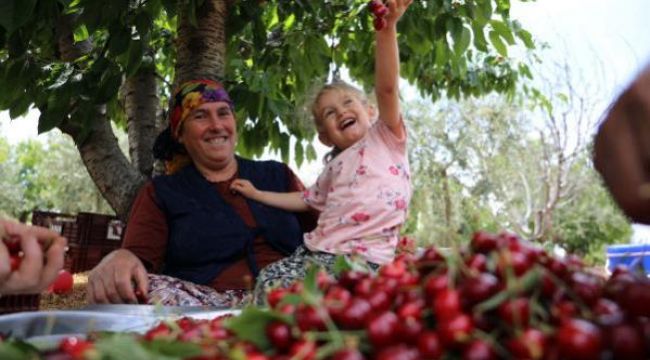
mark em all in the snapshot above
pixel 499 297
pixel 379 10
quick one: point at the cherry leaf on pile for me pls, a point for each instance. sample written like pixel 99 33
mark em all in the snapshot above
pixel 176 349
pixel 17 350
pixel 251 324
pixel 123 346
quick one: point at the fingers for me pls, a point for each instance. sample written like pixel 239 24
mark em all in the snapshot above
pixel 5 264
pixel 141 280
pixel 53 260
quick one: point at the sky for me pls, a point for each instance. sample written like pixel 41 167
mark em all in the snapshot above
pixel 612 34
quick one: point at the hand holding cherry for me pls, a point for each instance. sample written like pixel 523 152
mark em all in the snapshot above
pixel 30 257
pixel 387 12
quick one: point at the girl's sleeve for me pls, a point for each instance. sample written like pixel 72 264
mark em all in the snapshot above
pixel 316 195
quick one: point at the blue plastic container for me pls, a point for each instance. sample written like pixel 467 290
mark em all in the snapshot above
pixel 629 255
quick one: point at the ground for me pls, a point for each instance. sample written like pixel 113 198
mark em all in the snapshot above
pixel 74 300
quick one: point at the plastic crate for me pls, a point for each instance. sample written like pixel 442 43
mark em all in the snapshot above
pixel 18 303
pixel 90 236
pixel 64 224
pixel 629 255
pixel 100 229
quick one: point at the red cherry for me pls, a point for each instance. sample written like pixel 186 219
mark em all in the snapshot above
pixel 140 297
pixel 348 354
pixel 379 23
pixel 279 334
pixel 446 304
pixel 13 245
pixel 303 349
pixel 479 288
pixel 455 331
pixel 398 352
pixel 578 339
pixel 274 296
pixel 530 344
pixel 434 284
pixel 607 312
pixel 75 347
pixel 515 312
pixel 308 318
pixel 479 350
pixel 626 342
pixel 408 330
pixel 382 329
pixel 355 315
pixel 14 261
pixel 429 345
pixel 636 298
pixel 484 242
pixel 161 330
pixel 63 283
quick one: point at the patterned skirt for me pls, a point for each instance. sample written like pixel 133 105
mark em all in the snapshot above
pixel 285 272
pixel 170 291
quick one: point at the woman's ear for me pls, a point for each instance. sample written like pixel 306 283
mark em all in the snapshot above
pixel 324 139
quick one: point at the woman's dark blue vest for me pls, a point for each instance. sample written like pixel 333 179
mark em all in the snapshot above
pixel 206 234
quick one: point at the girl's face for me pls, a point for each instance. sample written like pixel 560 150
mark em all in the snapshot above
pixel 343 118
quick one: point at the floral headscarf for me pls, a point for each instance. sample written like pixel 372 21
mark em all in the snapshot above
pixel 190 95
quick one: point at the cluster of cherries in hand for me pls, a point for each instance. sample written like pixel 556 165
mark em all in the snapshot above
pixel 379 10
pixel 64 281
pixel 498 297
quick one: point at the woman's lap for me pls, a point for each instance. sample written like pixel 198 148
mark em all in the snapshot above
pixel 170 291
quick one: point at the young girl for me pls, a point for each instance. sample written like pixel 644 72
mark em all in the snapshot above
pixel 364 190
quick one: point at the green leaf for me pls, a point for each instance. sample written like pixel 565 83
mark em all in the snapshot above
pixel 122 346
pixel 479 38
pixel 498 44
pixel 108 87
pixel 15 351
pixel 251 324
pixel 441 52
pixel 341 264
pixel 120 39
pixel 299 155
pixel 175 349
pixel 462 41
pixel 143 23
pixel 15 13
pixel 526 38
pixel 311 152
pixel 135 57
pixel 80 33
pixel 503 30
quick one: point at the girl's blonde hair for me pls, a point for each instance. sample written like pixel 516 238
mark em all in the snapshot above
pixel 334 86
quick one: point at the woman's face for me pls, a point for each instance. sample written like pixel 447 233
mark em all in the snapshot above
pixel 209 135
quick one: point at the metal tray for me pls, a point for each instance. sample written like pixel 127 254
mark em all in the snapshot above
pixel 44 329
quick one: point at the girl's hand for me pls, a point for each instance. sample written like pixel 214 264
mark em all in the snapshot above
pixel 396 8
pixel 42 257
pixel 244 187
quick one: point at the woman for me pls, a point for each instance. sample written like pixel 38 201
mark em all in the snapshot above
pixel 42 257
pixel 206 243
pixel 622 149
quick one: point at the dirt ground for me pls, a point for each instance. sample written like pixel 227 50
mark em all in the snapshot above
pixel 74 300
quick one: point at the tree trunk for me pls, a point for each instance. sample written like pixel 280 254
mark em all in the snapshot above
pixel 107 165
pixel 141 107
pixel 201 50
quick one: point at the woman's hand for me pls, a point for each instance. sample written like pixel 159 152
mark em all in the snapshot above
pixel 111 281
pixel 42 251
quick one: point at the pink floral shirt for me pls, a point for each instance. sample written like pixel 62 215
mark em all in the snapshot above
pixel 363 195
